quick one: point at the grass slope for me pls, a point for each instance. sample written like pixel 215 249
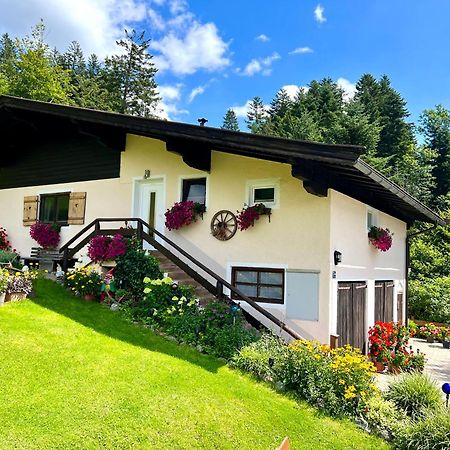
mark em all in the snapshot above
pixel 76 375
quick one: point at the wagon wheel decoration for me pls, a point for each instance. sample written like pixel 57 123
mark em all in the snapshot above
pixel 224 225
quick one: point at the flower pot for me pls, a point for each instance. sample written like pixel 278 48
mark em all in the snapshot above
pixel 446 344
pixel 394 369
pixel 379 366
pixel 2 298
pixel 430 339
pixel 14 296
pixel 89 297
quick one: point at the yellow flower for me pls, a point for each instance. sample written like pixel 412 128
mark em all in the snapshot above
pixel 147 290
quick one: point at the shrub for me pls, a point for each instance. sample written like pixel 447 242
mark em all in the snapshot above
pixel 431 433
pixel 4 276
pixel 337 381
pixel 414 393
pixel 104 248
pixel 133 267
pixel 261 357
pixel 45 234
pixel 20 282
pixel 10 257
pixel 383 417
pixel 185 327
pixel 4 241
pixel 227 340
pixel 83 281
pixel 430 299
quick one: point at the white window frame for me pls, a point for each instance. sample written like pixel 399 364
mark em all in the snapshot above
pixel 191 177
pixel 374 213
pixel 274 183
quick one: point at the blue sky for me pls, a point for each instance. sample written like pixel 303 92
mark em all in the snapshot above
pixel 214 55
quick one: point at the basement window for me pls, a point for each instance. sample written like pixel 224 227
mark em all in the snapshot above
pixel 260 284
pixel 194 190
pixel 54 208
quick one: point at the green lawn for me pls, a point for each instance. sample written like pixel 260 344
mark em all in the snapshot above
pixel 75 375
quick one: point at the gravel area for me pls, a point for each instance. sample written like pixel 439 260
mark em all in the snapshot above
pixel 437 364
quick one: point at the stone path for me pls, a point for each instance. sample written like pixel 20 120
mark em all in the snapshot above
pixel 437 364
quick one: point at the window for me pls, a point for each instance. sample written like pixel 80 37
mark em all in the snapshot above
pixel 263 191
pixel 54 208
pixel 372 219
pixel 262 285
pixel 194 189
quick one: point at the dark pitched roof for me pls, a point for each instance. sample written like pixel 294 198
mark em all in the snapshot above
pixel 321 166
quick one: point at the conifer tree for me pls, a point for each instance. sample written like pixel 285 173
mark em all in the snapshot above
pixel 230 121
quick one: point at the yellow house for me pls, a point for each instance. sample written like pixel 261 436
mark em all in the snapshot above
pixel 309 262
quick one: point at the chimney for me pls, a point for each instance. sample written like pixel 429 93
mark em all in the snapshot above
pixel 202 121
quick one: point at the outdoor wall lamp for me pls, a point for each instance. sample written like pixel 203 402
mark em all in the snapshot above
pixel 146 174
pixel 337 257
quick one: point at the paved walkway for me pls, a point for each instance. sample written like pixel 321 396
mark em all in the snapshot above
pixel 437 364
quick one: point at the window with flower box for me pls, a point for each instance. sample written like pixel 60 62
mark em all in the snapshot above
pixel 260 284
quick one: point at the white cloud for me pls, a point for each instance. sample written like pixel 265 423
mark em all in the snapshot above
pixel 348 88
pixel 170 92
pixel 301 51
pixel 95 24
pixel 292 90
pixel 319 14
pixel 200 47
pixel 169 111
pixel 156 20
pixel 263 38
pixel 260 65
pixel 196 91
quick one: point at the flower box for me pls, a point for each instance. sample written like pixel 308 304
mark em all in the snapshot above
pixel 14 296
pixel 380 238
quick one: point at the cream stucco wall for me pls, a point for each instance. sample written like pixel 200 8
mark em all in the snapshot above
pixel 105 198
pixel 297 236
pixel 303 232
pixel 360 260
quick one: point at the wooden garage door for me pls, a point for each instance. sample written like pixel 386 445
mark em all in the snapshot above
pixel 384 301
pixel 351 313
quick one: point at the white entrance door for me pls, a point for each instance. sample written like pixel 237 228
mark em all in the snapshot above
pixel 149 205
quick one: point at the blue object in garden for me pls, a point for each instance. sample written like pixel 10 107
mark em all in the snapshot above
pixel 234 311
pixel 446 389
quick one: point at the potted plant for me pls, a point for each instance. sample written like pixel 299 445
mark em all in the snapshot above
pixel 4 276
pixel 45 234
pixel 105 248
pixel 380 238
pixel 247 217
pixel 445 337
pixel 398 361
pixel 19 286
pixel 84 281
pixel 381 341
pixel 182 214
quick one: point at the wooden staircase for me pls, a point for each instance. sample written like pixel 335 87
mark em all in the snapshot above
pixel 179 265
pixel 181 277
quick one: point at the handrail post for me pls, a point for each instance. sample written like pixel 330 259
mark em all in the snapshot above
pixel 139 232
pixel 65 260
pixel 97 226
pixel 219 289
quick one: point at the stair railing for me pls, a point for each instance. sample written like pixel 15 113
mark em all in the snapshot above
pixel 150 237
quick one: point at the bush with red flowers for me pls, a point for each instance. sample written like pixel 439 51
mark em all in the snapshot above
pixel 45 234
pixel 380 238
pixel 4 241
pixel 249 214
pixel 182 214
pixel 104 248
pixel 388 343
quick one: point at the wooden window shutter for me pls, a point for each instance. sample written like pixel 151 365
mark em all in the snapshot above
pixel 30 210
pixel 77 208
